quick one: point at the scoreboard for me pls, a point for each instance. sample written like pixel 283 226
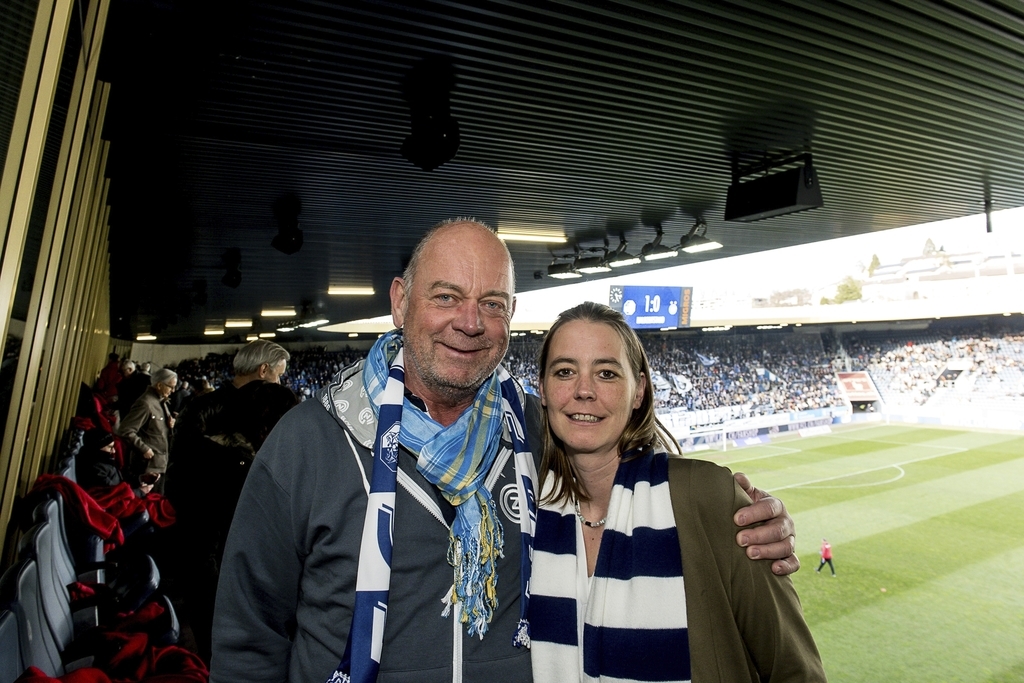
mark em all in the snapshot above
pixel 652 308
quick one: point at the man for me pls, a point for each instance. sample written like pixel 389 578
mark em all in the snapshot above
pixel 259 360
pixel 303 553
pixel 180 398
pixel 147 428
pixel 135 383
pixel 198 465
pixel 110 377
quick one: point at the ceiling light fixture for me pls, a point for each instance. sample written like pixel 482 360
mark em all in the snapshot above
pixel 592 264
pixel 285 329
pixel 694 243
pixel 238 323
pixel 563 271
pixel 655 250
pixel 278 312
pixel 145 336
pixel 213 331
pixel 620 257
pixel 251 337
pixel 267 335
pixel 550 238
pixel 230 260
pixel 315 323
pixel 350 291
pixel 289 238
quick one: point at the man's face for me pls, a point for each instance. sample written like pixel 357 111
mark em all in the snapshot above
pixel 456 315
pixel 272 373
pixel 166 389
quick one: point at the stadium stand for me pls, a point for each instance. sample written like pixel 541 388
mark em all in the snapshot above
pixel 83 592
pixel 944 369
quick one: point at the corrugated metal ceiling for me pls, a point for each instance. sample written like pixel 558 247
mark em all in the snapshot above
pixel 596 118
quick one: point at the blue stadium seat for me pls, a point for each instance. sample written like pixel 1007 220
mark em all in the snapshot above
pixel 11 664
pixel 19 593
pixel 53 595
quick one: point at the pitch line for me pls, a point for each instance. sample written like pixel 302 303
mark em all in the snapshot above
pixel 898 465
pixel 900 474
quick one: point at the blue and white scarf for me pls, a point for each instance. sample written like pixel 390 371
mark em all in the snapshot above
pixel 456 459
pixel 631 615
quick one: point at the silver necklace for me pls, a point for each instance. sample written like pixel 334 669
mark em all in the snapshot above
pixel 592 525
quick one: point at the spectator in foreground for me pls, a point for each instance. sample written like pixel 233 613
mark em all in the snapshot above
pixel 432 409
pixel 670 597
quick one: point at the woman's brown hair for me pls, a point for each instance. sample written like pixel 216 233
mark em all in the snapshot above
pixel 643 432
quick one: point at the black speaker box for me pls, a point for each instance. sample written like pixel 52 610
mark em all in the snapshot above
pixel 775 195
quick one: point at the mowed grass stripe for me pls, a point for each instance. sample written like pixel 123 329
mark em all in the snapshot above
pixel 903 559
pixel 963 627
pixel 900 506
pixel 846 478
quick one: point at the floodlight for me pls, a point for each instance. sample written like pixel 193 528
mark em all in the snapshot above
pixel 620 257
pixel 655 250
pixel 696 240
pixel 563 271
pixel 592 264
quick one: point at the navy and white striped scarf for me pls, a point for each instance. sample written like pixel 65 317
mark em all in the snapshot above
pixel 631 615
pixel 361 661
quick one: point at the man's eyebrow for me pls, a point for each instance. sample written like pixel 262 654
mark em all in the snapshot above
pixel 444 284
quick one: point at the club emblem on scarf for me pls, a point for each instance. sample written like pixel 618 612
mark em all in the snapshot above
pixel 510 502
pixel 389 447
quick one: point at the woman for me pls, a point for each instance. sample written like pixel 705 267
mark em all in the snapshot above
pixel 636 575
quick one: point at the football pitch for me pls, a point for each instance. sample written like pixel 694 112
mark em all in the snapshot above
pixel 927 531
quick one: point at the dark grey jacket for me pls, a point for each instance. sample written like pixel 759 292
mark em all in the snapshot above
pixel 146 427
pixel 287 585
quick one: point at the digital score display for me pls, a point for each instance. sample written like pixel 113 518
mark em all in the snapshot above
pixel 652 308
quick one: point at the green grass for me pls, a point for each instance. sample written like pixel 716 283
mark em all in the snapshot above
pixel 927 531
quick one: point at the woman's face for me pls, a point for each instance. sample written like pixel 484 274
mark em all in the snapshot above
pixel 588 388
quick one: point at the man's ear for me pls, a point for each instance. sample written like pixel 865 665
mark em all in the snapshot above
pixel 512 310
pixel 398 302
pixel 264 369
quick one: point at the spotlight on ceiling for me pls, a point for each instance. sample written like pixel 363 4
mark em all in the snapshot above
pixel 563 271
pixel 434 138
pixel 230 260
pixel 620 257
pixel 289 238
pixel 592 264
pixel 695 242
pixel 655 250
pixel 796 189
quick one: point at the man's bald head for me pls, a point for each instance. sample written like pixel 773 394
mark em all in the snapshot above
pixel 429 235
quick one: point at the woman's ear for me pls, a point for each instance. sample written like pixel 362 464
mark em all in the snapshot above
pixel 641 387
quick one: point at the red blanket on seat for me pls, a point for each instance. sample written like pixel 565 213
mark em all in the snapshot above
pixel 84 509
pixel 123 654
pixel 121 502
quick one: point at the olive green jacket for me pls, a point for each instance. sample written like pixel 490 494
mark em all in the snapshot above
pixel 744 623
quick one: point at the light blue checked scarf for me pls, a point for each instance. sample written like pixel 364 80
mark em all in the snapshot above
pixel 456 459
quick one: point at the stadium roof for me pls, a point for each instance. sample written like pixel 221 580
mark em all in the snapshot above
pixel 588 119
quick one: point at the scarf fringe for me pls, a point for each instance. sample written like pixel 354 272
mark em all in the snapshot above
pixel 475 560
